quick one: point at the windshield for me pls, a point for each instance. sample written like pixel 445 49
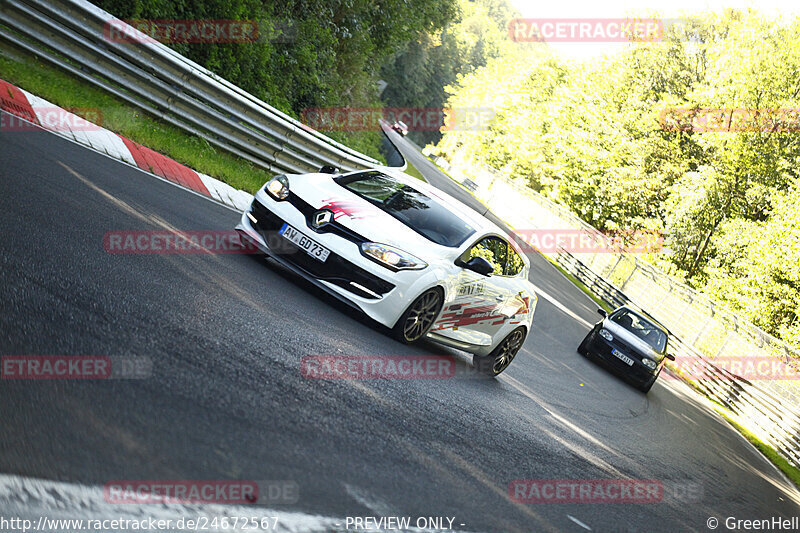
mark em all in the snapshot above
pixel 645 330
pixel 411 207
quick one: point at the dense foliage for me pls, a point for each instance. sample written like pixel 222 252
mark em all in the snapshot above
pixel 310 53
pixel 315 54
pixel 419 72
pixel 592 135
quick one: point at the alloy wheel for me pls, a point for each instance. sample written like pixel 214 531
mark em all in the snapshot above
pixel 421 316
pixel 508 350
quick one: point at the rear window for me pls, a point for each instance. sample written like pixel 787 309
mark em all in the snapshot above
pixel 411 207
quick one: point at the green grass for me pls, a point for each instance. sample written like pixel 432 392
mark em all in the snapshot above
pixel 66 91
pixel 411 170
pixel 578 283
pixel 791 472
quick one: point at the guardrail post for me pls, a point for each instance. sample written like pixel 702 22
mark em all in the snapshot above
pixel 613 268
pixel 635 266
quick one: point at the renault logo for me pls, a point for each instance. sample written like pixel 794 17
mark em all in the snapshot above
pixel 321 218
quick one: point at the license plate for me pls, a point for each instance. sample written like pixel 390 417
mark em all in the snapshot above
pixel 315 250
pixel 622 357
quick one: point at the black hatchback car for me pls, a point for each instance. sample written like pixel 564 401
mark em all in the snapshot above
pixel 631 344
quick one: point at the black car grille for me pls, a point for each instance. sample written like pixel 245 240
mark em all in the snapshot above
pixel 335 269
pixel 603 348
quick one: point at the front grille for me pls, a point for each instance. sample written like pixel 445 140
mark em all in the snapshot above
pixel 332 227
pixel 335 269
pixel 603 349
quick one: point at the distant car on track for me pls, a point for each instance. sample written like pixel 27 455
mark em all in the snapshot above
pixel 400 127
pixel 631 344
pixel 408 255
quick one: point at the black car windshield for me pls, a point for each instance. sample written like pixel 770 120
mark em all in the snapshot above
pixel 411 207
pixel 645 330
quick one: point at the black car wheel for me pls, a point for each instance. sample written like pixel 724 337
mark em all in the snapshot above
pixel 583 347
pixel 497 361
pixel 415 322
pixel 647 385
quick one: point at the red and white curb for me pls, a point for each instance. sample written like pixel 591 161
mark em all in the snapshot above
pixel 30 107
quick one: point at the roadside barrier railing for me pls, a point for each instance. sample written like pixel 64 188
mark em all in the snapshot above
pixel 72 35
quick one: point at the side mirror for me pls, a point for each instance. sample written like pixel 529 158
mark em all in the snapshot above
pixel 328 169
pixel 479 265
pixel 602 312
pixel 670 357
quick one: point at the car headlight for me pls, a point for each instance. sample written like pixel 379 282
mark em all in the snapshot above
pixel 649 363
pixel 278 187
pixel 391 257
pixel 606 334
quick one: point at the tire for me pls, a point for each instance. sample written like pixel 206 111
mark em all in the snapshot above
pixel 502 356
pixel 415 322
pixel 647 385
pixel 583 347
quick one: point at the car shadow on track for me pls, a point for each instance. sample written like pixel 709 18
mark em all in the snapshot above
pixel 463 360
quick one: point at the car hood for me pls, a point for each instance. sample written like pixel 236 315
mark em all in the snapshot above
pixel 630 338
pixel 357 214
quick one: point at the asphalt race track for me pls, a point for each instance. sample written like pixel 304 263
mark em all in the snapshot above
pixel 226 399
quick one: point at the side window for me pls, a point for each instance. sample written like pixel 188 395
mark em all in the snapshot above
pixel 493 250
pixel 514 264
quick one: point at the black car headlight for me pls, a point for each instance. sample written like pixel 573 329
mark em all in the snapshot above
pixel 606 334
pixel 391 257
pixel 278 187
pixel 649 363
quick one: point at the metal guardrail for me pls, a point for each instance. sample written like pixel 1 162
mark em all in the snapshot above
pixel 606 291
pixel 69 34
pixel 768 408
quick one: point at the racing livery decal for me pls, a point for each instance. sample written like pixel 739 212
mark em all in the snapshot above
pixel 459 315
pixel 350 209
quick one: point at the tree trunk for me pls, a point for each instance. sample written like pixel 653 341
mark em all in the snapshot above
pixel 702 250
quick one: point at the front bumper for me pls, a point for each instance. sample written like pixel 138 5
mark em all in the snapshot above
pixel 336 270
pixel 601 350
pixel 380 293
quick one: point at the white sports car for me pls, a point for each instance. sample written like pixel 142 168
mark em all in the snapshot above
pixel 405 253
